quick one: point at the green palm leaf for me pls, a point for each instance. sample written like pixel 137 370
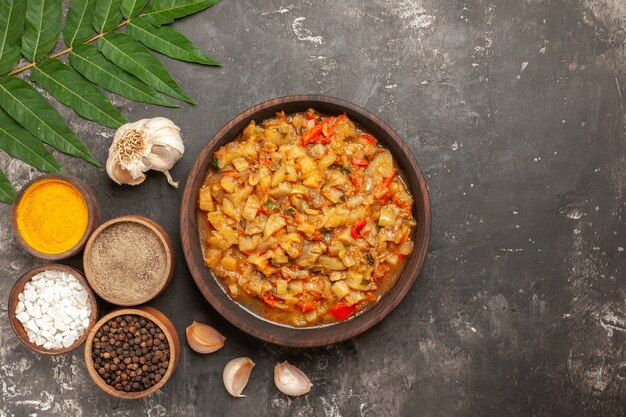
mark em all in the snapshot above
pixel 96 68
pixel 107 15
pixel 78 26
pixel 123 63
pixel 12 13
pixel 132 56
pixel 71 89
pixel 163 12
pixel 20 144
pixel 42 28
pixel 7 192
pixel 168 41
pixel 131 8
pixel 31 110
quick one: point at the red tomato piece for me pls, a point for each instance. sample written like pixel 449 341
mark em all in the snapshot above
pixel 387 182
pixel 342 311
pixel 362 162
pixel 306 307
pixel 310 134
pixel 357 228
pixel 270 299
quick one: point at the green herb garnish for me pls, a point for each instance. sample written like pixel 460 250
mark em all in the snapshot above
pixel 290 211
pixel 343 169
pixel 270 204
pixel 370 259
pixel 215 163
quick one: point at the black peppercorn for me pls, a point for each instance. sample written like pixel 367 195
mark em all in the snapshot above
pixel 130 353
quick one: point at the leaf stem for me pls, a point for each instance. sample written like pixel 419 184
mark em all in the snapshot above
pixel 68 50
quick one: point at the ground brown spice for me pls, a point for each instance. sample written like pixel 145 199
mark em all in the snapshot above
pixel 128 263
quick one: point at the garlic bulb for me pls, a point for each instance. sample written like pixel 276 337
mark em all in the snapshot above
pixel 290 380
pixel 144 145
pixel 236 375
pixel 203 338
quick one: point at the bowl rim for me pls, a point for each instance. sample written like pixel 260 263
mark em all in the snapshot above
pixel 272 331
pixel 93 215
pixel 17 326
pixel 164 324
pixel 158 230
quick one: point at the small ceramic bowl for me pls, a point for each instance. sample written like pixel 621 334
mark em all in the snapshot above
pixel 152 292
pixel 17 326
pixel 93 219
pixel 157 318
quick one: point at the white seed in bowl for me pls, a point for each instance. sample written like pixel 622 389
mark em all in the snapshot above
pixel 54 309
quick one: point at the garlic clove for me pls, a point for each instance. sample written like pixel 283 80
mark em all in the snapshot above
pixel 162 157
pixel 236 375
pixel 290 380
pixel 203 338
pixel 121 175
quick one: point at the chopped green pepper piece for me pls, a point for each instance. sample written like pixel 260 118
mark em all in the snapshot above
pixel 215 163
pixel 270 204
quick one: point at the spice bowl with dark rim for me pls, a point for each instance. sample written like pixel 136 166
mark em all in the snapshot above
pixel 128 356
pixel 262 327
pixel 19 329
pixel 129 260
pixel 92 207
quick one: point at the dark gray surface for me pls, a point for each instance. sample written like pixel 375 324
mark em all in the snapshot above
pixel 513 109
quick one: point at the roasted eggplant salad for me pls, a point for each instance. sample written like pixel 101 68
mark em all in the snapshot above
pixel 305 219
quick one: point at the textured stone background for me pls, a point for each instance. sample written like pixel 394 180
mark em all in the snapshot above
pixel 515 111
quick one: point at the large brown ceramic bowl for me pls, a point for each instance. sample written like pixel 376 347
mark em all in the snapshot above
pixel 305 336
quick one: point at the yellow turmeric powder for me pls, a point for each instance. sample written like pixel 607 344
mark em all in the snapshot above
pixel 52 216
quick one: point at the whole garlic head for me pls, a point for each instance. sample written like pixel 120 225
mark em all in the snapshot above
pixel 144 145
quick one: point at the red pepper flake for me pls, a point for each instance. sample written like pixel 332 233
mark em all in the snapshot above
pixel 270 299
pixel 306 307
pixel 404 238
pixel 398 202
pixel 362 162
pixel 342 311
pixel 385 198
pixel 369 139
pixel 335 120
pixel 388 180
pixel 310 114
pixel 311 133
pixel 357 179
pixel 317 236
pixel 357 228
